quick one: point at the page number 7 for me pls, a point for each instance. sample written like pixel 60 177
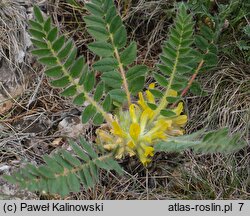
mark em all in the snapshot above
pixel 241 205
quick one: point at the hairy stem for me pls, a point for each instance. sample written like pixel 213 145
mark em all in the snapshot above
pixel 163 101
pixel 80 88
pixel 190 81
pixel 120 65
pixel 79 168
pixel 192 78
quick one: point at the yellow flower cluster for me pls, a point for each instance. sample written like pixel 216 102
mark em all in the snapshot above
pixel 135 132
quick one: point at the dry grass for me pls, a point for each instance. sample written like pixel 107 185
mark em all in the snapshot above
pixel 13 35
pixel 227 103
pixel 171 176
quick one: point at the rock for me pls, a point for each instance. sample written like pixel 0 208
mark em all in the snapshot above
pixel 4 167
pixel 8 191
pixel 71 126
pixel 14 44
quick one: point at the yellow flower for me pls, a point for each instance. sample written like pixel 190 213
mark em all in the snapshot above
pixel 163 124
pixel 136 131
pixel 180 120
pixel 131 144
pixel 144 154
pixel 141 101
pixel 151 86
pixel 172 93
pixel 149 151
pixel 105 136
pixel 145 160
pixel 159 135
pixel 145 116
pixel 110 147
pixel 178 109
pixel 117 129
pixel 132 113
pixel 150 97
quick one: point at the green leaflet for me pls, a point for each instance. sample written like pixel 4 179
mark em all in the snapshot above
pixel 70 58
pixel 89 81
pixel 168 113
pixel 207 142
pixel 102 48
pixel 120 37
pixel 115 24
pixel 47 24
pixel 92 20
pixel 60 83
pixel 37 34
pixel 41 52
pixel 201 42
pixel 49 61
pixel 65 50
pixel 70 91
pixel 107 103
pixel 58 44
pixel 128 56
pixel 112 79
pixel 79 99
pixel 38 14
pixel 98 119
pixel 52 34
pixel 35 25
pixel 136 71
pixel 88 148
pixel 68 72
pixel 118 95
pixel 136 84
pixel 106 65
pixel 88 113
pixel 73 182
pixel 99 91
pixel 161 79
pixel 70 171
pixel 156 93
pixel 39 43
pixel 94 9
pixel 105 25
pixel 98 33
pixel 77 67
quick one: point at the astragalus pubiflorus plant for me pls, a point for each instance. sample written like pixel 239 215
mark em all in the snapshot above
pixel 134 120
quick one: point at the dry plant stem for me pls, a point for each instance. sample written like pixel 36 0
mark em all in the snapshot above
pixel 121 68
pixel 190 81
pixel 192 78
pixel 147 184
pixel 9 120
pixel 126 7
pixel 10 96
pixel 80 88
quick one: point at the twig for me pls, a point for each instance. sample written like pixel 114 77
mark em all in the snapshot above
pixel 147 184
pixel 32 99
pixel 192 78
pixel 190 81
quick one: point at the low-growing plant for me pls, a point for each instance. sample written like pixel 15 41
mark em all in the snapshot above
pixel 134 120
pixel 229 21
